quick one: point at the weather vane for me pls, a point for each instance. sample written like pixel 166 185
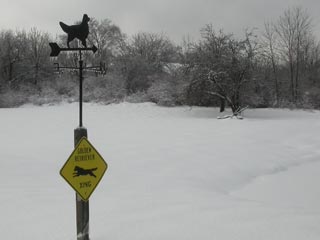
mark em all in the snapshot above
pixel 80 31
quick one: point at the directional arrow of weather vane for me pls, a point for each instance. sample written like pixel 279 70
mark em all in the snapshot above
pixel 55 49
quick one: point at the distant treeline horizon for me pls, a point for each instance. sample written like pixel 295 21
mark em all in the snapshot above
pixel 274 67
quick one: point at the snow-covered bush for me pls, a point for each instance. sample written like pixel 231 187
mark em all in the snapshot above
pixel 137 97
pixel 105 89
pixel 12 98
pixel 311 98
pixel 162 92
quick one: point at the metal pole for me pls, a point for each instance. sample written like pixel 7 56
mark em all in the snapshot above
pixel 82 207
pixel 80 89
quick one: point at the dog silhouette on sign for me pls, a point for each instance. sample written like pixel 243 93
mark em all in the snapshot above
pixel 78 171
pixel 80 31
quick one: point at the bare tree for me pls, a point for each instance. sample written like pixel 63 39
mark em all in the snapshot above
pixel 293 29
pixel 108 38
pixel 143 56
pixel 269 47
pixel 222 65
pixel 11 52
pixel 38 51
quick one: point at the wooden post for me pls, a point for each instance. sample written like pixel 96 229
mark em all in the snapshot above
pixel 82 207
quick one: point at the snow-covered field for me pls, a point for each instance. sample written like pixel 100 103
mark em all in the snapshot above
pixel 174 173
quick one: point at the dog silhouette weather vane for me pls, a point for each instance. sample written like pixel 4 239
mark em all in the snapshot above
pixel 81 32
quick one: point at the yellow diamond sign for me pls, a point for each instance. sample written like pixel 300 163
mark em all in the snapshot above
pixel 84 169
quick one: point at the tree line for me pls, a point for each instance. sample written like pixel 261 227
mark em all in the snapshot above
pixel 277 66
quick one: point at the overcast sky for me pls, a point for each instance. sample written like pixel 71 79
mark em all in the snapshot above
pixel 176 18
